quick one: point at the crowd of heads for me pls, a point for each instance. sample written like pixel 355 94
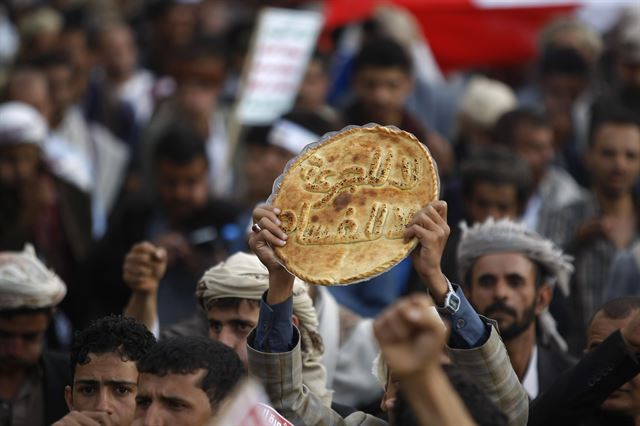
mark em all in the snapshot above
pixel 128 187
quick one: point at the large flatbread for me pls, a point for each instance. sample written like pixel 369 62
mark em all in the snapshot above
pixel 345 203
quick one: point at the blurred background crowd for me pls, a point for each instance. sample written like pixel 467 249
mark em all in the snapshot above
pixel 124 112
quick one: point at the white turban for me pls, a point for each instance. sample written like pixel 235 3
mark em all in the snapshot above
pixel 485 100
pixel 244 276
pixel 26 283
pixel 21 124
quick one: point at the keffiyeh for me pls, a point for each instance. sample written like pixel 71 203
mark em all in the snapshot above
pixel 25 282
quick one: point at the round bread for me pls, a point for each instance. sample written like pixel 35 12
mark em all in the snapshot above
pixel 346 201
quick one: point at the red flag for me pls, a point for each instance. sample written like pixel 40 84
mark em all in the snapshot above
pixel 466 33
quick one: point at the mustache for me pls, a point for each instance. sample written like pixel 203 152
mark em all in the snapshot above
pixel 500 306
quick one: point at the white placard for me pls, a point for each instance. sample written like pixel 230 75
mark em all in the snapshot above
pixel 282 45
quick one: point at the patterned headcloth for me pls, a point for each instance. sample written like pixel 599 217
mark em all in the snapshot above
pixel 26 283
pixel 244 276
pixel 506 236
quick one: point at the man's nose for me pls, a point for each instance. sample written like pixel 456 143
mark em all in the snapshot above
pixel 153 417
pixel 104 401
pixel 228 337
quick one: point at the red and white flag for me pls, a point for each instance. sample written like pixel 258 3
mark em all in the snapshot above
pixel 468 33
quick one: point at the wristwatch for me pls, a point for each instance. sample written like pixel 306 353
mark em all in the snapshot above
pixel 451 301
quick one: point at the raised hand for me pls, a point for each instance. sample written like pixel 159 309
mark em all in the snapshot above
pixel 411 336
pixel 144 267
pixel 84 418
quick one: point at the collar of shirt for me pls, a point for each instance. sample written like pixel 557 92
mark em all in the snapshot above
pixel 531 382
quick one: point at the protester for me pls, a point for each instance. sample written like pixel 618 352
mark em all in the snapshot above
pixel 185 380
pixel 32 378
pixel 509 274
pixel 493 183
pixel 474 344
pixel 382 82
pixel 104 373
pixel 603 388
pixel 181 217
pixel 604 222
pixel 28 187
pixel 528 133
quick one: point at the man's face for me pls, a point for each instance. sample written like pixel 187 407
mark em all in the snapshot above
pixel 21 340
pixel 314 86
pixel 503 288
pixel 496 200
pixel 259 182
pixel 382 92
pixel 19 164
pixel 629 75
pixel 183 188
pixel 614 158
pixel 106 383
pixel 627 398
pixel 60 83
pixel 231 326
pixel 535 146
pixel 118 51
pixel 275 160
pixel 174 399
pixel 561 91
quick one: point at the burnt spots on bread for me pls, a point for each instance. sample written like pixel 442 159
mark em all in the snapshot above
pixel 341 201
pixel 314 218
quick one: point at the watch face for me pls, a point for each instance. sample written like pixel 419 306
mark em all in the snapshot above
pixel 454 302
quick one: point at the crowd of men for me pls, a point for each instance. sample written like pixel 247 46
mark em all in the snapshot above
pixel 134 289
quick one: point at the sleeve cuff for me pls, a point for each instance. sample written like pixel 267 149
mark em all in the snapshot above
pixel 467 328
pixel 274 332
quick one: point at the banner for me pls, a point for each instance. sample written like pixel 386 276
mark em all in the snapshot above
pixel 282 44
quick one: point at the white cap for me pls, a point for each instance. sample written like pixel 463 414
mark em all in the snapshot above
pixel 290 136
pixel 485 100
pixel 21 124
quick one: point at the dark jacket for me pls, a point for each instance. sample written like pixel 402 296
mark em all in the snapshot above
pixel 551 365
pixel 57 375
pixel 576 396
pixel 131 225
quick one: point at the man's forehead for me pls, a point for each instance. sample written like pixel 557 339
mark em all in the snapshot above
pixel 506 262
pixel 244 310
pixel 108 366
pixel 171 384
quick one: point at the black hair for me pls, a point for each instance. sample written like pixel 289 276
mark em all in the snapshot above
pixel 481 409
pixel 614 114
pixel 187 355
pixel 563 61
pixel 383 52
pixel 620 308
pixel 497 166
pixel 505 130
pixel 10 313
pixel 180 144
pixel 51 59
pixel 256 135
pixel 114 333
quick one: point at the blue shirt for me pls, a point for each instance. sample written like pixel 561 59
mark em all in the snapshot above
pixel 274 332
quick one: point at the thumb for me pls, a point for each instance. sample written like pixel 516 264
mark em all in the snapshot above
pixel 160 254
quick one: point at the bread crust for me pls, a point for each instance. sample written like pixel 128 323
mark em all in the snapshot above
pixel 346 201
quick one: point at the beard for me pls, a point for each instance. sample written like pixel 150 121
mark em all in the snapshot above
pixel 518 326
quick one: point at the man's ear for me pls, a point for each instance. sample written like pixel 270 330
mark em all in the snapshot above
pixel 68 397
pixel 295 320
pixel 543 298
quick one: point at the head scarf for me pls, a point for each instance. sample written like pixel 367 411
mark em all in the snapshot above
pixel 244 276
pixel 26 283
pixel 21 124
pixel 504 236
